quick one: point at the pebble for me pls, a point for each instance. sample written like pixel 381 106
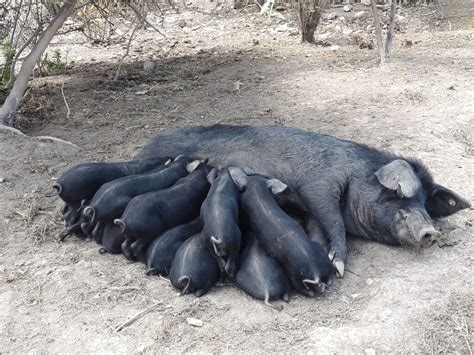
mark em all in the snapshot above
pixel 195 322
pixel 369 282
pixel 347 8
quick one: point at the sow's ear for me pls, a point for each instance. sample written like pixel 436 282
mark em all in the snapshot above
pixel 443 202
pixel 239 177
pixel 276 186
pixel 399 176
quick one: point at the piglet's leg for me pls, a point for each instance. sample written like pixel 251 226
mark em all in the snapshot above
pixel 201 292
pixel 315 232
pixel 268 303
pixel 126 250
pixel 97 232
pixel 69 230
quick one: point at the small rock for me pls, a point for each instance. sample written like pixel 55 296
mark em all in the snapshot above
pixel 142 349
pixel 360 14
pixel 236 86
pixel 182 23
pixel 357 296
pixel 148 65
pixel 2 179
pixel 334 48
pixel 147 126
pixel 347 31
pixel 195 322
pixel 365 2
pixel 347 8
pixel 143 92
pixel 369 282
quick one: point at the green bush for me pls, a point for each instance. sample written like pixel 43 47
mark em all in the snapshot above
pixel 55 64
pixel 8 53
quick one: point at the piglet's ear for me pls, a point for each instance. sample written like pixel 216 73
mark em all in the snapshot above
pixel 276 186
pixel 443 202
pixel 239 177
pixel 399 176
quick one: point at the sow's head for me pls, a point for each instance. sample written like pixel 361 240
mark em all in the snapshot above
pixel 403 202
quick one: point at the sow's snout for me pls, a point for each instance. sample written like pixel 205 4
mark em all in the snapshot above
pixel 414 227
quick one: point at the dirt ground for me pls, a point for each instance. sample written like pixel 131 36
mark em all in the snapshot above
pixel 242 69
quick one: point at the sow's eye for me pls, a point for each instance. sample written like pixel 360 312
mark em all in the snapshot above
pixel 388 195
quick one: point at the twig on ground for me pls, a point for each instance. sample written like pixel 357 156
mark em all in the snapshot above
pixel 137 316
pixel 108 324
pixel 68 114
pixel 41 138
pixel 12 130
pixel 54 139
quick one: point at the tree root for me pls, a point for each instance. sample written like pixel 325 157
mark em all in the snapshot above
pixel 40 138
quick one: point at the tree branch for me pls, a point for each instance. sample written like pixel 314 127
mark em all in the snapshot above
pixel 12 102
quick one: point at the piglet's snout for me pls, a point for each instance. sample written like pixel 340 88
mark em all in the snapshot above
pixel 428 237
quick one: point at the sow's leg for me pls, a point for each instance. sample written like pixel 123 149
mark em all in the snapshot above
pixel 326 211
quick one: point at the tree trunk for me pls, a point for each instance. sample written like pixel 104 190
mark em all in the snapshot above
pixel 378 31
pixel 11 104
pixel 391 28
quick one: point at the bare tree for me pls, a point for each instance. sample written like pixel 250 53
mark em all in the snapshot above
pixel 309 14
pixel 103 12
pixel 12 102
pixel 391 28
pixel 387 53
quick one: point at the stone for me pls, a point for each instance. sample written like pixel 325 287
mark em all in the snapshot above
pixel 195 322
pixel 360 14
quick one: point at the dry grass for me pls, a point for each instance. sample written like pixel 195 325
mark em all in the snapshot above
pixel 39 223
pixel 467 139
pixel 449 331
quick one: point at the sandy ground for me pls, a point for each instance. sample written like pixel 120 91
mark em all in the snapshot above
pixel 65 297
